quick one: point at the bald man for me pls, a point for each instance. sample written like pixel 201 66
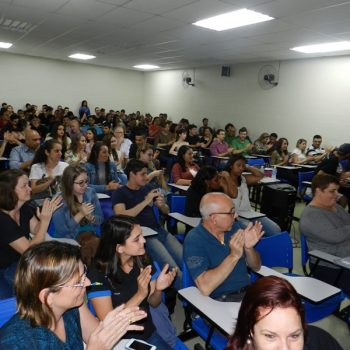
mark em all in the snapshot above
pixel 217 257
pixel 21 157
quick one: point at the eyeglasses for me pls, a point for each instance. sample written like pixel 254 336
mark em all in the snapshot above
pixel 80 284
pixel 82 183
pixel 232 212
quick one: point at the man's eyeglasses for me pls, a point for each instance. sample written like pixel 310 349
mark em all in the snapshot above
pixel 82 183
pixel 232 212
pixel 80 284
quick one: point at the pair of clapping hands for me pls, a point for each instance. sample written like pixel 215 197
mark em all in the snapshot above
pixel 246 238
pixel 155 196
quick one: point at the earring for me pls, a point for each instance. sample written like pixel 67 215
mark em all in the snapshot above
pixel 248 341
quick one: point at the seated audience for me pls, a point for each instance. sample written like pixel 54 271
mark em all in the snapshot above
pixel 181 135
pixel 280 155
pixel 164 138
pixel 154 127
pixel 332 165
pixel 272 142
pixel 21 157
pixel 74 127
pixel 9 142
pixel 242 143
pixel 91 139
pixel 230 134
pixel 125 275
pixel 115 155
pixel 207 180
pixel 102 173
pixel 77 152
pixel 207 138
pixel 140 141
pixel 18 220
pixel 298 155
pixel 35 124
pixel 155 176
pixel 58 133
pixel 326 226
pixel 137 199
pixel 50 289
pixel 219 147
pixel 217 257
pixel 261 145
pixel 80 215
pixel 185 170
pixel 205 124
pixel 47 169
pixel 84 111
pixel 193 138
pixel 239 192
pixel 315 150
pixel 123 144
pixel 271 316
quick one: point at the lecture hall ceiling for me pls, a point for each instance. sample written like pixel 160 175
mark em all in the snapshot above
pixel 123 33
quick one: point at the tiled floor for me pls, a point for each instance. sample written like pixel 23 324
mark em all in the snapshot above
pixel 332 324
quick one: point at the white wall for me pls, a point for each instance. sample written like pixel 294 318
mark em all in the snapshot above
pixel 312 97
pixel 38 81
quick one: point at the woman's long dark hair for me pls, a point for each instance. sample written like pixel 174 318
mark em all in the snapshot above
pixel 40 155
pixel 53 134
pixel 93 159
pixel 233 159
pixel 206 173
pixel 180 156
pixel 116 230
pixel 278 146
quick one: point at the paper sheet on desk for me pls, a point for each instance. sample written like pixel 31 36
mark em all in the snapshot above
pixel 345 261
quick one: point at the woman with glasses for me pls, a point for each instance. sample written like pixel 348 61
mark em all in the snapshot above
pixel 102 173
pixel 239 192
pixel 80 216
pixel 154 176
pixel 123 274
pixel 50 287
pixel 46 170
pixel 18 219
pixel 185 170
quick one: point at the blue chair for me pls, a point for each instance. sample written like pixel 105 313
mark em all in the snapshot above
pixel 213 339
pixel 257 162
pixel 177 204
pixel 304 176
pixel 106 206
pixel 8 308
pixel 304 254
pixel 277 251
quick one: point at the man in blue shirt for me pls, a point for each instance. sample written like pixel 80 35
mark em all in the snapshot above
pixel 21 157
pixel 216 257
pixel 137 199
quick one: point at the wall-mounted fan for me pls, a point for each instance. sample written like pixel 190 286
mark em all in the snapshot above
pixel 187 80
pixel 268 77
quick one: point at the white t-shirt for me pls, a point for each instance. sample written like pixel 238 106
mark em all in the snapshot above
pixel 242 202
pixel 125 148
pixel 301 156
pixel 38 171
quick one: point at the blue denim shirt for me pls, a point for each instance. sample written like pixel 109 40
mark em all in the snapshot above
pixel 93 177
pixel 67 227
pixel 19 155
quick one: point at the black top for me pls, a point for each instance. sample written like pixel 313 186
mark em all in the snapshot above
pixel 193 140
pixel 329 165
pixel 319 339
pixel 10 232
pixel 122 287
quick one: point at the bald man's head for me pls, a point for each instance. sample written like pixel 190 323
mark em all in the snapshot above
pixel 32 139
pixel 214 202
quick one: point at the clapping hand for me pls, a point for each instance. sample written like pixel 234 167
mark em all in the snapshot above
pixel 87 208
pixel 237 243
pixel 115 325
pixel 143 281
pixel 252 234
pixel 166 277
pixel 49 207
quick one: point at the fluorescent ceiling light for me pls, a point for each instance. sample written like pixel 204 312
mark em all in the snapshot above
pixel 326 47
pixel 146 66
pixel 82 56
pixel 5 45
pixel 233 19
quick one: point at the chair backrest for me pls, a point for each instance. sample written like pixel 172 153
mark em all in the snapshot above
pixel 304 253
pixel 276 251
pixel 177 203
pixel 258 162
pixel 187 280
pixel 304 176
pixel 8 308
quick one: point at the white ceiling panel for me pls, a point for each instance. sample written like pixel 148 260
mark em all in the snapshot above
pixel 47 5
pixel 157 6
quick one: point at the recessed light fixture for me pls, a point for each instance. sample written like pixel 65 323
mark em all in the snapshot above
pixel 232 20
pixel 326 47
pixel 5 45
pixel 146 66
pixel 82 56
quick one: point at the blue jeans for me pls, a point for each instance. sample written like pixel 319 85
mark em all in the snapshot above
pixel 166 249
pixel 7 277
pixel 269 226
pixel 156 340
